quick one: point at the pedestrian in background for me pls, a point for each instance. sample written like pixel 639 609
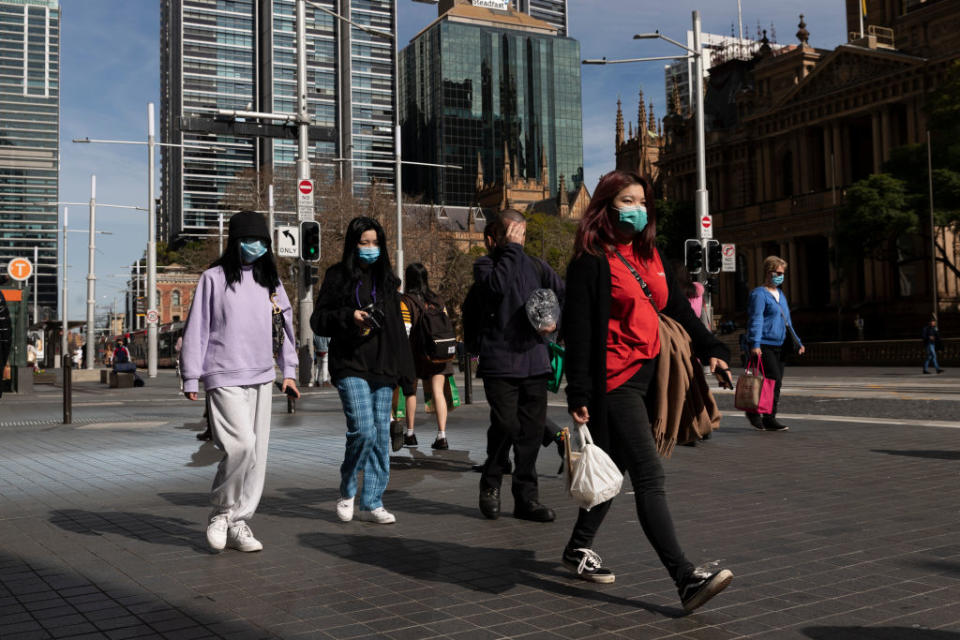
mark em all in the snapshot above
pixel 240 321
pixel 6 336
pixel 514 364
pixel 692 289
pixel 769 332
pixel 358 306
pixel 321 371
pixel 426 310
pixel 931 344
pixel 616 285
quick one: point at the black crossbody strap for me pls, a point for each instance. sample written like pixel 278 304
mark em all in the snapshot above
pixel 643 284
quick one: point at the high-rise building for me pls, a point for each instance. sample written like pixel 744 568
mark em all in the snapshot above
pixel 241 55
pixel 494 91
pixel 29 138
pixel 553 12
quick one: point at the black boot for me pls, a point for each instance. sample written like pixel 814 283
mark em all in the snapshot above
pixel 490 503
pixel 755 420
pixel 770 423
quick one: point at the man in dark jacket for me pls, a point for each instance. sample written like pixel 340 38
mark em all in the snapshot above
pixel 931 342
pixel 6 337
pixel 514 365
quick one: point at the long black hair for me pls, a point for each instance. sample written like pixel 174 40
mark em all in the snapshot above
pixel 264 267
pixel 381 270
pixel 416 282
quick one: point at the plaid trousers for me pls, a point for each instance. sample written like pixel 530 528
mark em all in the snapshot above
pixel 367 409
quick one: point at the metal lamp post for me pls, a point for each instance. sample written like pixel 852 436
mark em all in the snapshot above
pixel 701 199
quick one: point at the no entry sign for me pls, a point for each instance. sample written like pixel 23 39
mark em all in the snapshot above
pixel 305 199
pixel 706 227
pixel 305 187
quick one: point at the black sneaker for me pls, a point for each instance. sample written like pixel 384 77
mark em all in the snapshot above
pixel 770 423
pixel 586 564
pixel 206 435
pixel 440 443
pixel 939 370
pixel 490 503
pixel 396 435
pixel 755 421
pixel 701 585
pixel 410 441
pixel 534 511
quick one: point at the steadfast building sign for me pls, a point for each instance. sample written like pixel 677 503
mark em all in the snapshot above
pixel 492 4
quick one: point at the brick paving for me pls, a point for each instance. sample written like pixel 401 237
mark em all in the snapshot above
pixel 834 531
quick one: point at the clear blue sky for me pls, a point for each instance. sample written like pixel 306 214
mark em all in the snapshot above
pixel 111 70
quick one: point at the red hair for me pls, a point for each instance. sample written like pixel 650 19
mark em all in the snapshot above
pixel 597 231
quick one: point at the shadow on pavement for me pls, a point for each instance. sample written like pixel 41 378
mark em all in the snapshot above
pixel 75 605
pixel 484 569
pixel 877 633
pixel 206 455
pixel 450 460
pixel 295 504
pixel 138 526
pixel 920 453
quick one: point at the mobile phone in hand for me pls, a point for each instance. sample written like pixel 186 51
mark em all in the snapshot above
pixel 289 391
pixel 724 378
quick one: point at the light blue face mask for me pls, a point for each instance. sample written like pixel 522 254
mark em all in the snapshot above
pixel 777 280
pixel 368 255
pixel 252 250
pixel 633 218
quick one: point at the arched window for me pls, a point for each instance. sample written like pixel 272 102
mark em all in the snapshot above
pixel 175 298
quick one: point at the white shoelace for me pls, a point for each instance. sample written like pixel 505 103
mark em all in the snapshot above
pixel 590 560
pixel 242 531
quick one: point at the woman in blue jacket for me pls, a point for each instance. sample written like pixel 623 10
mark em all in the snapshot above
pixel 768 327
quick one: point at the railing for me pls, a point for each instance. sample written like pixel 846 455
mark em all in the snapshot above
pixel 884 353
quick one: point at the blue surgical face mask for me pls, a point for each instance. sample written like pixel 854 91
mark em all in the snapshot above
pixel 368 255
pixel 777 280
pixel 633 218
pixel 252 250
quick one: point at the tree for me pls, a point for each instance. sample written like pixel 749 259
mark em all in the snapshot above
pixel 550 238
pixel 877 212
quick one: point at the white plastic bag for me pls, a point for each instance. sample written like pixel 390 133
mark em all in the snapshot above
pixel 592 477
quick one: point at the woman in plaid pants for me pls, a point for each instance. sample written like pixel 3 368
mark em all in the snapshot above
pixel 359 308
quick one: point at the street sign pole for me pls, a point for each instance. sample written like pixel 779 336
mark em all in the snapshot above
pixel 303 173
pixel 64 323
pixel 91 275
pixel 704 222
pixel 36 269
pixel 152 333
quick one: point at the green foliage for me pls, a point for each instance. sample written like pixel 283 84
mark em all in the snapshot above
pixel 550 238
pixel 876 213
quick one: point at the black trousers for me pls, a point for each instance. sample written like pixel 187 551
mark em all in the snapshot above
pixel 518 410
pixel 632 439
pixel 772 359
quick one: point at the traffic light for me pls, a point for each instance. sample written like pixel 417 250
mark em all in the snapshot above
pixel 693 256
pixel 310 240
pixel 714 256
pixel 311 273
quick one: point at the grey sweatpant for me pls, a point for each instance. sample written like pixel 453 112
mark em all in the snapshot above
pixel 240 422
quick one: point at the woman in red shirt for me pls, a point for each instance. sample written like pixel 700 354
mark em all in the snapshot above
pixel 612 344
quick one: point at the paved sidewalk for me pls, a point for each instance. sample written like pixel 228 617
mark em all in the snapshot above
pixel 834 530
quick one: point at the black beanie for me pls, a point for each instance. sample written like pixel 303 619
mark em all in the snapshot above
pixel 248 224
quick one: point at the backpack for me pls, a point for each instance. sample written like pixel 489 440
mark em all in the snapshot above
pixel 472 312
pixel 433 334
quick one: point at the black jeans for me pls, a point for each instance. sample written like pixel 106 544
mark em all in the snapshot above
pixel 772 359
pixel 632 439
pixel 518 410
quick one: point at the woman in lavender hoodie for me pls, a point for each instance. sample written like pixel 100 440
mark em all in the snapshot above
pixel 228 344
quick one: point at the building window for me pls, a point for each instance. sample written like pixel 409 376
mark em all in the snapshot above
pixel 175 298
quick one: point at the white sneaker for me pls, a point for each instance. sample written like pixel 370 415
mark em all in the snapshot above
pixel 345 509
pixel 378 515
pixel 240 537
pixel 217 532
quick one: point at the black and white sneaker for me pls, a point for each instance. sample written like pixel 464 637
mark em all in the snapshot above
pixel 770 423
pixel 586 563
pixel 701 585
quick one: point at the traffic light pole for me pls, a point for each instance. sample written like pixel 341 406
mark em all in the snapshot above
pixel 702 196
pixel 305 291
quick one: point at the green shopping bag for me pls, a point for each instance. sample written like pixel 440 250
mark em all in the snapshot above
pixel 449 390
pixel 556 365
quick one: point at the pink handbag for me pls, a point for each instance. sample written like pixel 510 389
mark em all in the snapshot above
pixel 754 392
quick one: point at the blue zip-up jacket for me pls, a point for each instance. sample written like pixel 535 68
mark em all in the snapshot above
pixel 765 323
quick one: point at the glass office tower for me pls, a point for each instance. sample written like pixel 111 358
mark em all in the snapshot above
pixel 474 91
pixel 240 54
pixel 553 12
pixel 29 138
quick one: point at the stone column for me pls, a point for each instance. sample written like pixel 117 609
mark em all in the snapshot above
pixel 912 107
pixel 793 272
pixel 838 155
pixel 804 163
pixel 877 142
pixel 885 131
pixel 827 152
pixel 835 296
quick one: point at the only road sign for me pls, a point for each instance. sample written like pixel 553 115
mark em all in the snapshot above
pixel 287 243
pixel 19 269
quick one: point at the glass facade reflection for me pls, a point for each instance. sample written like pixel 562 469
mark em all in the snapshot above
pixel 29 138
pixel 474 92
pixel 240 54
pixel 553 12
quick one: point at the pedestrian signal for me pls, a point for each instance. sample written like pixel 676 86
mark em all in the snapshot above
pixel 714 256
pixel 693 256
pixel 310 240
